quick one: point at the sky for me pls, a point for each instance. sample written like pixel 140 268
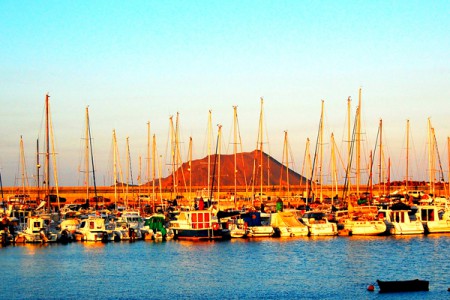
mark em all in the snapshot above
pixel 133 62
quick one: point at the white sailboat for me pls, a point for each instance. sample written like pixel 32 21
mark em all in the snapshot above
pixel 360 220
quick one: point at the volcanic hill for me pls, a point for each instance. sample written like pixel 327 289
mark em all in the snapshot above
pixel 246 163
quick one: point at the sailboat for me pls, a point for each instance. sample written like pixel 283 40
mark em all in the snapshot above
pixel 359 220
pixel 52 200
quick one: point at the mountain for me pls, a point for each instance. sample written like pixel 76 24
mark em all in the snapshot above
pixel 245 162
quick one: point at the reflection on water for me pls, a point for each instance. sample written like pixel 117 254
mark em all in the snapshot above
pixel 269 268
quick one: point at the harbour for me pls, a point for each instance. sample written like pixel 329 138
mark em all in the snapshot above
pixel 268 268
pixel 224 150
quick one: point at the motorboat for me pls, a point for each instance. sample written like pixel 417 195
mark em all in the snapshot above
pixel 198 225
pixel 93 229
pixel 257 224
pixel 156 226
pixel 363 226
pixel 435 219
pixel 37 230
pixel 286 224
pixel 400 222
pixel 318 223
pixel 361 220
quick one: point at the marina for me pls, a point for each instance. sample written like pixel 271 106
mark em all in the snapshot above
pixel 225 150
pixel 266 268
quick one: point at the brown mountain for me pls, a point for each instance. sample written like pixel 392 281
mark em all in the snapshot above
pixel 246 162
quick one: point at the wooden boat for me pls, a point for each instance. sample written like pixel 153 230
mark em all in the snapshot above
pixel 198 225
pixel 395 286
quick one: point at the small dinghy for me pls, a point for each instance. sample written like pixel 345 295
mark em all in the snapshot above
pixel 415 285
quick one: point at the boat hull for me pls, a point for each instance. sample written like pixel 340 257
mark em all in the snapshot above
pixel 260 231
pixel 415 285
pixel 201 234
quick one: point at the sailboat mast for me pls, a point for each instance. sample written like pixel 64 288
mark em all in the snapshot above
pixel 349 136
pixel 321 152
pixel 92 159
pixel 173 153
pixel 154 170
pixel 286 159
pixel 259 144
pixel 55 169
pixel 333 169
pixel 380 164
pixel 209 148
pixel 407 156
pixel 115 168
pixel 307 159
pixel 235 150
pixel 38 168
pixel 358 146
pixel 24 179
pixel 86 155
pixel 430 156
pixel 219 147
pixel 148 160
pixel 190 168
pixel 47 151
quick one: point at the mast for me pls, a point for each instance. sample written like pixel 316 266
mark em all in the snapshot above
pixel 173 153
pixel 285 159
pixel 259 147
pixel 24 180
pixel 333 168
pixel 115 169
pixel 430 156
pixel 209 148
pixel 148 160
pixel 47 152
pixel 380 164
pixel 129 171
pixel 234 150
pixel 307 160
pixel 407 156
pixel 55 169
pixel 38 168
pixel 154 172
pixel 349 136
pixel 92 156
pixel 358 146
pixel 190 167
pixel 86 155
pixel 321 152
pixel 219 147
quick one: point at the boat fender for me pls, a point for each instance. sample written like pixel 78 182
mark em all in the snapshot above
pixel 245 226
pixel 215 226
pixel 104 236
pixel 371 288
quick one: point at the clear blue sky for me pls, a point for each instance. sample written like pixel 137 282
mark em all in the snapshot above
pixel 139 61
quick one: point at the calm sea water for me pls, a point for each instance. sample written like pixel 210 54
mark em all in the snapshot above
pixel 294 268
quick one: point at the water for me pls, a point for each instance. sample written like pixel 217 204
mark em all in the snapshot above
pixel 294 268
